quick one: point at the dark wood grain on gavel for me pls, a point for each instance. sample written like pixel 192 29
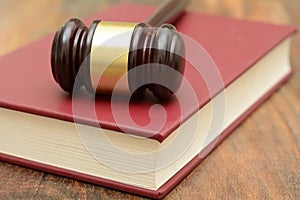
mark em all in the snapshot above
pixel 150 46
pixel 67 56
pixel 70 58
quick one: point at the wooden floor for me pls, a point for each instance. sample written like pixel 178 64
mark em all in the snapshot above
pixel 260 160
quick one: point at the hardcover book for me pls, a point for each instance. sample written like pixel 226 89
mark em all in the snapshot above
pixel 143 147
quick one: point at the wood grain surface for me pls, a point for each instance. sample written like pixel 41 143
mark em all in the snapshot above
pixel 259 160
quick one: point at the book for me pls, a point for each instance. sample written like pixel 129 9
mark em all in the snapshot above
pixel 46 129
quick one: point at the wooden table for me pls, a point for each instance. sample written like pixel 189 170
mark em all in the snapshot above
pixel 260 160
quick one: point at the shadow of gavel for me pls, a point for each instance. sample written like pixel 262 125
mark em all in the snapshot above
pixel 91 56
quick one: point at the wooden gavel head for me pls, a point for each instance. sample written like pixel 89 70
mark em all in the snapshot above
pixel 96 57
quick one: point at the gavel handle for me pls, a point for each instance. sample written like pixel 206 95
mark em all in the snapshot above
pixel 168 12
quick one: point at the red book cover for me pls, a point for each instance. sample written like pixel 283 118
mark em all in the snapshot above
pixel 26 83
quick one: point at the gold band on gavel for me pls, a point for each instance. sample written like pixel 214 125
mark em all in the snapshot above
pixel 109 56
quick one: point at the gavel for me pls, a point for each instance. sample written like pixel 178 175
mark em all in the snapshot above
pixel 92 57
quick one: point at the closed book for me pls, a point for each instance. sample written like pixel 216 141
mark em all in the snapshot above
pixel 143 147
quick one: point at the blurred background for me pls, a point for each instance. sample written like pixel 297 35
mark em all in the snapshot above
pixel 22 22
